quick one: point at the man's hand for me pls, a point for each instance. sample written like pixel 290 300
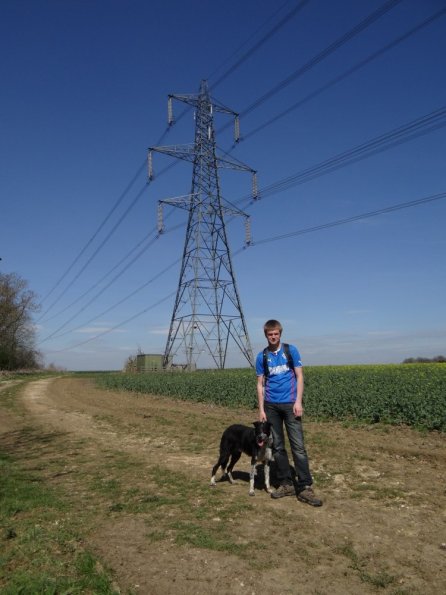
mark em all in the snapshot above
pixel 298 410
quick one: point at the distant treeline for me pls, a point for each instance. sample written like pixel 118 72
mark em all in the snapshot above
pixel 439 359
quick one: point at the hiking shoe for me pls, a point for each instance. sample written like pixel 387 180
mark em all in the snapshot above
pixel 307 496
pixel 284 490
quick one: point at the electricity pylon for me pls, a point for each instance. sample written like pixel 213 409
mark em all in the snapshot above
pixel 207 315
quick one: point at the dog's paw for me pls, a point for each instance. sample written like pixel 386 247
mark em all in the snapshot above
pixel 252 493
pixel 268 490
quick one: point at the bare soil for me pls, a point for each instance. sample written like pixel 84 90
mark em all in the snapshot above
pixel 160 529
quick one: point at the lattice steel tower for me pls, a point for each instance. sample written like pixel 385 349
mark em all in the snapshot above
pixel 207 315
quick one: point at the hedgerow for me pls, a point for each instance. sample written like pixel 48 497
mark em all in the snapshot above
pixel 399 394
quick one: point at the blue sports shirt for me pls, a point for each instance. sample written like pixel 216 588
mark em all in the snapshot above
pixel 281 384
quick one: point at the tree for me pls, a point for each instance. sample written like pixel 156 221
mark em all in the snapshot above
pixel 130 363
pixel 439 359
pixel 17 333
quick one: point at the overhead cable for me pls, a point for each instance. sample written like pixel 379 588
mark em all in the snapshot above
pixel 366 215
pixel 121 301
pixel 94 298
pixel 392 208
pixel 109 284
pixel 371 18
pixel 413 129
pixel 347 73
pixel 93 237
pixel 359 28
pixel 252 36
pixel 167 297
pixel 284 21
pixel 95 253
pixel 102 279
pixel 421 126
pixel 140 170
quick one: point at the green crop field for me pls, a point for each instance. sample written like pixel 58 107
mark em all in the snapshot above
pixel 411 394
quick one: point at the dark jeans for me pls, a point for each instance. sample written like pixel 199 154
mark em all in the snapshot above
pixel 280 414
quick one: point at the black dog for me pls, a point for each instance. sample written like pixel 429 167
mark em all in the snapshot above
pixel 255 442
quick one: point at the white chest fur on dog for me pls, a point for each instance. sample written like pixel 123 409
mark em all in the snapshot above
pixel 266 452
pixel 255 442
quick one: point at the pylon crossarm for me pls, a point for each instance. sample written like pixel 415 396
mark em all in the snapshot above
pixel 233 211
pixel 193 100
pixel 229 164
pixel 218 107
pixel 185 152
pixel 182 202
pixel 189 99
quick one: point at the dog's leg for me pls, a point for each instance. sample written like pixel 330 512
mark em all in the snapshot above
pixel 213 483
pixel 222 462
pixel 252 476
pixel 214 472
pixel 266 472
pixel 234 458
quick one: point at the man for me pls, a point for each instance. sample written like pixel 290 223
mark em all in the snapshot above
pixel 280 387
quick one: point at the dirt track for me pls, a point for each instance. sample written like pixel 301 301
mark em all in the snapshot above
pixel 382 526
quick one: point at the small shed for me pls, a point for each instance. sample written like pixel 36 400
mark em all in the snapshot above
pixel 149 362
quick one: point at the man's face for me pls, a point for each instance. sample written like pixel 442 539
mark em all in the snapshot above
pixel 273 337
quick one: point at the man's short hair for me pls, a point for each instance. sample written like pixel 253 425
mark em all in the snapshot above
pixel 272 325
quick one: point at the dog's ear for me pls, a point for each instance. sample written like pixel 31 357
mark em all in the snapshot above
pixel 256 423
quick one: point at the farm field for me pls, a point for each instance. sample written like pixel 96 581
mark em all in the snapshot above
pixel 130 474
pixel 412 394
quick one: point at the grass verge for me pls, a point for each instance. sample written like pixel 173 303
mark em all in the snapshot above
pixel 42 551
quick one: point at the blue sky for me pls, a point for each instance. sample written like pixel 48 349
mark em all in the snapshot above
pixel 84 94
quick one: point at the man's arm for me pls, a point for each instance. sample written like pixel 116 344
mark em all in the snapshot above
pixel 260 398
pixel 298 406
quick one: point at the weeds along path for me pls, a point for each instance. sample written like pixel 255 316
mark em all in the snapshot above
pixel 136 470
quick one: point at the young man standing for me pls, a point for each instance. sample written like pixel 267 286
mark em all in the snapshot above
pixel 280 387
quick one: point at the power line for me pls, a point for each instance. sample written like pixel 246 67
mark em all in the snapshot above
pixel 95 253
pixel 285 20
pixel 359 28
pixel 102 279
pixel 383 142
pixel 121 301
pixel 93 237
pixel 249 52
pixel 392 208
pixel 242 45
pixel 105 220
pixel 421 126
pixel 154 230
pixel 413 129
pixel 95 297
pixel 109 284
pixel 347 73
pixel 117 325
pixel 266 190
